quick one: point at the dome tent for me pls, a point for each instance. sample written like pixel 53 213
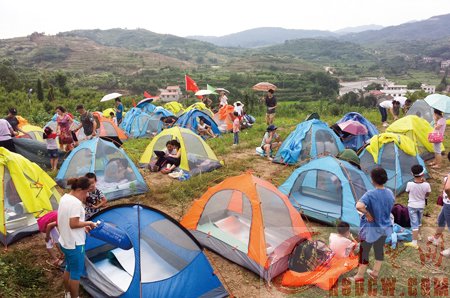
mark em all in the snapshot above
pixel 358 141
pixel 138 124
pixel 396 154
pixel 196 156
pixel 327 190
pixel 248 221
pixel 191 118
pixel 423 110
pixel 117 176
pixel 174 107
pixel 26 192
pixel 309 139
pixel 36 151
pixel 224 118
pixel 165 260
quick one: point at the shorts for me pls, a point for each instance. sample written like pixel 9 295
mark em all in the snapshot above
pixel 415 217
pixel 437 148
pixel 53 153
pixel 378 249
pixel 74 261
pixel 444 217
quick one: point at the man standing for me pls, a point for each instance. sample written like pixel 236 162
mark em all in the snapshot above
pixel 119 110
pixel 271 104
pixel 88 122
pixel 13 121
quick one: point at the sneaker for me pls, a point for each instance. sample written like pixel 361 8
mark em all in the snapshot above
pixel 434 241
pixel 411 244
pixel 446 253
pixel 385 125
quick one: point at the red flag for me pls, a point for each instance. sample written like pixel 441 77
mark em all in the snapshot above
pixel 147 95
pixel 134 103
pixel 191 85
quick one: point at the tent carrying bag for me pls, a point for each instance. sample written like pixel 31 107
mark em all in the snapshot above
pixel 435 137
pixel 112 235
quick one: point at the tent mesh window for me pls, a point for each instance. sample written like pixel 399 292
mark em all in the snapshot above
pixel 387 160
pixel 306 146
pixel 79 164
pixel 227 216
pixel 109 129
pixel 325 143
pixel 166 248
pixel 276 219
pixel 318 190
pixel 357 183
pixel 406 161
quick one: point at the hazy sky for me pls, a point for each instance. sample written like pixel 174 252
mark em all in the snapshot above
pixel 208 17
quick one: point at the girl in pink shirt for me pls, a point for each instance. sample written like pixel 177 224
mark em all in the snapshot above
pixel 236 128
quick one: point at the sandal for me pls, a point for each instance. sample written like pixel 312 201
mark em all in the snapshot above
pixel 356 280
pixel 371 274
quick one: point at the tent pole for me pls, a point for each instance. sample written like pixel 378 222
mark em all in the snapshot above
pixel 139 248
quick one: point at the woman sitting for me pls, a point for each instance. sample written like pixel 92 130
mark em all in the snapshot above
pixel 172 159
pixel 204 129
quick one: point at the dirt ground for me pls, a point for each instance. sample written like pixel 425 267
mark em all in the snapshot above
pixel 239 281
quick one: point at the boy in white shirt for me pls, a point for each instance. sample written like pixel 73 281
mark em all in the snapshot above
pixel 418 190
pixel 342 243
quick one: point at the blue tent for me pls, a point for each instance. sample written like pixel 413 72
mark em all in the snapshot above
pixel 327 190
pixel 138 124
pixel 160 111
pixel 146 106
pixel 117 176
pixel 165 260
pixel 190 120
pixel 357 142
pixel 310 139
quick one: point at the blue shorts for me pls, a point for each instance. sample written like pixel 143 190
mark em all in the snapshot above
pixel 53 153
pixel 444 217
pixel 74 261
pixel 415 217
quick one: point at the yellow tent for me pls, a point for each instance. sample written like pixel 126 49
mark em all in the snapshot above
pixel 201 107
pixel 196 155
pixel 175 107
pixel 26 192
pixel 34 132
pixel 403 142
pixel 417 129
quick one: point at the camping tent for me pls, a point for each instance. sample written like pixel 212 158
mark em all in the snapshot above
pixel 423 110
pixel 138 124
pixel 357 142
pixel 36 151
pixel 165 260
pixel 417 129
pixel 196 156
pixel 146 107
pixel 201 107
pixel 310 139
pixel 108 129
pixel 32 132
pixel 191 118
pixel 396 154
pixel 26 192
pixel 327 189
pixel 248 221
pixel 224 118
pixel 117 176
pixel 174 107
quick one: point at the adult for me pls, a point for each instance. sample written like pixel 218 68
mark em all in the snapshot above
pixel 204 129
pixel 383 107
pixel 444 217
pixel 271 104
pixel 168 121
pixel 439 127
pixel 239 108
pixel 270 141
pixel 223 99
pixel 119 110
pixel 87 122
pixel 63 124
pixel 72 227
pixel 207 101
pixel 6 135
pixel 375 224
pixel 13 121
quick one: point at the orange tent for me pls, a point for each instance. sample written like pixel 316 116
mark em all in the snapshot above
pixel 248 221
pixel 224 118
pixel 107 128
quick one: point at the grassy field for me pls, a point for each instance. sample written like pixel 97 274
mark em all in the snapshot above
pixel 406 271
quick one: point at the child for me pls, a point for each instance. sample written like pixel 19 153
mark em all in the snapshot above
pixel 342 243
pixel 113 117
pixel 270 141
pixel 173 160
pixel 52 147
pixel 96 199
pixel 418 190
pixel 204 129
pixel 236 127
pixel 47 225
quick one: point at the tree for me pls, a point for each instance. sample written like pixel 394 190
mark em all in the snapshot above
pixel 373 86
pixel 51 93
pixel 8 77
pixel 39 90
pixel 443 84
pixel 414 85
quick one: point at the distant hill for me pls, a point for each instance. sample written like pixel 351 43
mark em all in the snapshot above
pixel 434 28
pixel 264 36
pixel 358 29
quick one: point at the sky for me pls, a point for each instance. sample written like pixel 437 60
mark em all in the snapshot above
pixel 208 17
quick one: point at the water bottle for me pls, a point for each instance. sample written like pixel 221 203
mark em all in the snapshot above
pixel 111 234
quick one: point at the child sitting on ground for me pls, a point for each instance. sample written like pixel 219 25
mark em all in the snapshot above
pixel 204 129
pixel 342 243
pixel 173 159
pixel 418 190
pixel 47 225
pixel 52 147
pixel 96 199
pixel 270 141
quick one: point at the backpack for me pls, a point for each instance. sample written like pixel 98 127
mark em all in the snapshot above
pixel 401 215
pixel 308 255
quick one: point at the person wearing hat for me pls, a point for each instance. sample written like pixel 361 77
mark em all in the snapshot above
pixel 223 99
pixel 6 135
pixel 13 121
pixel 271 103
pixel 239 108
pixel 270 141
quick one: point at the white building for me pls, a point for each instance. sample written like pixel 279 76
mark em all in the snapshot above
pixel 401 90
pixel 171 93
